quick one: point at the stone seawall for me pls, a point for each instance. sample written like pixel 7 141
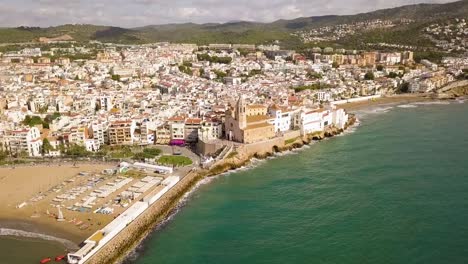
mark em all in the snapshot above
pixel 128 239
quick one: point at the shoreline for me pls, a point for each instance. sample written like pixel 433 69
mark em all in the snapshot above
pixel 162 212
pixel 32 218
pixel 24 235
pixel 128 256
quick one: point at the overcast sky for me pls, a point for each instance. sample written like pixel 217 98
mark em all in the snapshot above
pixel 132 13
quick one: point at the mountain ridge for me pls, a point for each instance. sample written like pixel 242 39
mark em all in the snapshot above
pixel 248 32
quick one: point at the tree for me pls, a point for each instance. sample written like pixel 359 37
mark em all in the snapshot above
pixel 3 155
pixel 220 74
pixel 77 151
pixel 115 77
pixel 335 65
pixel 380 67
pixel 403 88
pixel 314 75
pixel 33 121
pixel 46 146
pixel 369 76
pixel 392 75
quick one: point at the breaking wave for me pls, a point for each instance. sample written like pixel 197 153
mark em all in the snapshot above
pixel 407 106
pixel 25 234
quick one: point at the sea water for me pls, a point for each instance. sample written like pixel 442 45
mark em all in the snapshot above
pixel 394 191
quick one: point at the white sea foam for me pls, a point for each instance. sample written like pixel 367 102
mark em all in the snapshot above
pixel 373 111
pixel 433 103
pixel 407 106
pixel 20 233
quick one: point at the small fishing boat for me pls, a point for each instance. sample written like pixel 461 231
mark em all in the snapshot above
pixel 46 260
pixel 60 258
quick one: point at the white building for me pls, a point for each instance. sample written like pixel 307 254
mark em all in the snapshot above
pixel 27 141
pixel 340 118
pixel 323 96
pixel 210 130
pixel 311 121
pixel 281 118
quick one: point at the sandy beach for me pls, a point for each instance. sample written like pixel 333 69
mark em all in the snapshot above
pixel 396 99
pixel 20 184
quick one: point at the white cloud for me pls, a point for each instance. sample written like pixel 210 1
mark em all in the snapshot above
pixel 132 13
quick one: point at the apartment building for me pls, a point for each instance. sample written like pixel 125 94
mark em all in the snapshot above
pixel 210 129
pixel 24 141
pixel 192 126
pixel 121 132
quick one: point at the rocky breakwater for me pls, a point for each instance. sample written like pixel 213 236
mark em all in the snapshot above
pixel 118 248
pixel 127 240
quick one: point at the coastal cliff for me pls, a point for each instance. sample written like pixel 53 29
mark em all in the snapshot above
pixel 118 248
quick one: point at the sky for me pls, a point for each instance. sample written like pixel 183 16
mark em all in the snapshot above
pixel 134 13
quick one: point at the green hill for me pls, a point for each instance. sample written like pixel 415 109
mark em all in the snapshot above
pixel 252 32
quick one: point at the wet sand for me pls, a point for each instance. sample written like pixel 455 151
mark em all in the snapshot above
pixel 396 99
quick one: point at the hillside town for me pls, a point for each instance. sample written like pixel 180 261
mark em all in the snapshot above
pixel 449 36
pixel 337 32
pixel 189 95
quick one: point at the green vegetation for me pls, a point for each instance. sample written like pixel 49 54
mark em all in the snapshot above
pixel 256 33
pixel 403 88
pixel 254 72
pixel 369 76
pixel 147 153
pixel 393 75
pixel 49 118
pixel 34 121
pixel 315 86
pixel 128 152
pixel 220 74
pixel 3 155
pixel 290 141
pixel 120 152
pixel 175 160
pixel 314 75
pixel 46 146
pixel 232 155
pixel 214 59
pixel 187 64
pixel 77 151
pixel 185 69
pixel 115 77
pixel 433 56
pixel 403 35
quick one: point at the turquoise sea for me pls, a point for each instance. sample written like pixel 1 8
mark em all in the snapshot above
pixel 16 250
pixel 393 191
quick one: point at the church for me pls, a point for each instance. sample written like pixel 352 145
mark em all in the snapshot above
pixel 248 123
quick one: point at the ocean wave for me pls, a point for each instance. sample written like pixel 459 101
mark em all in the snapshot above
pixel 433 103
pixel 25 234
pixel 373 111
pixel 351 129
pixel 407 106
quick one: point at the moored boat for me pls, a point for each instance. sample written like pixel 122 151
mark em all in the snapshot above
pixel 46 260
